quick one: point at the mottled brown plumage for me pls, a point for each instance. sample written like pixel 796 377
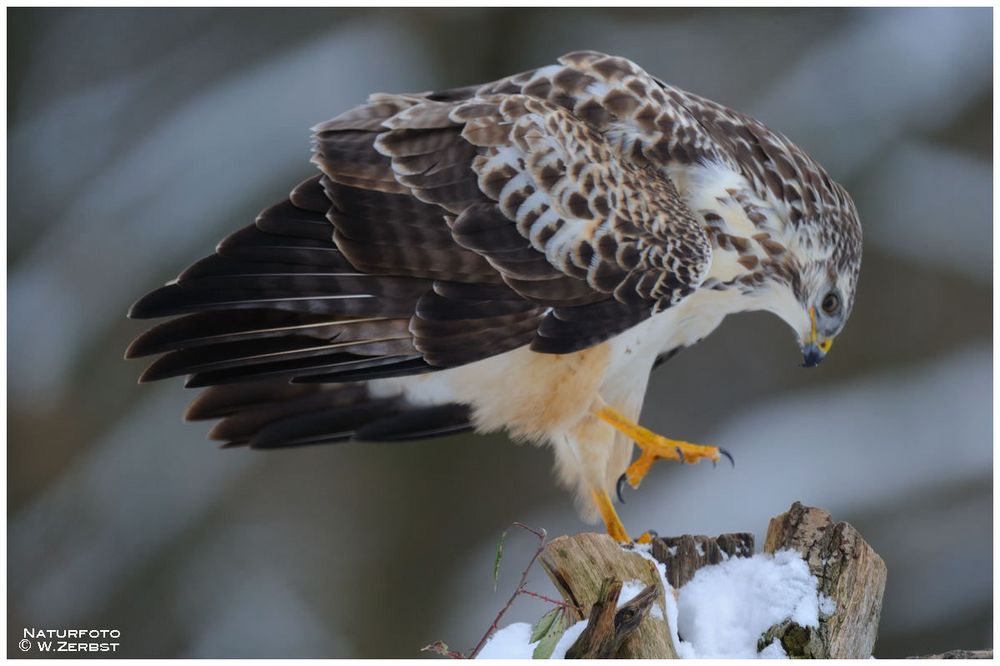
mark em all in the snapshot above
pixel 462 236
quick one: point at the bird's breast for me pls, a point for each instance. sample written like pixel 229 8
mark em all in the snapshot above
pixel 634 352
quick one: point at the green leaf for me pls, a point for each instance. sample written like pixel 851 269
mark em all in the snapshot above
pixel 544 624
pixel 547 632
pixel 496 562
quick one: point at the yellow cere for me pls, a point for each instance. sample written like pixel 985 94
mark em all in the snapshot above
pixel 823 345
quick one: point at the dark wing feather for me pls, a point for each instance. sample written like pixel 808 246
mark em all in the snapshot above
pixel 435 421
pixel 284 302
pixel 454 324
pixel 274 413
pixel 323 426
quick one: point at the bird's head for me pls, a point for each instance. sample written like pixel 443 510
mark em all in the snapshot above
pixel 801 229
pixel 813 283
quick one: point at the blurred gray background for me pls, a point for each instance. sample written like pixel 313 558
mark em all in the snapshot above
pixel 138 138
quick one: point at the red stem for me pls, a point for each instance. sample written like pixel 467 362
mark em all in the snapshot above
pixel 561 604
pixel 541 534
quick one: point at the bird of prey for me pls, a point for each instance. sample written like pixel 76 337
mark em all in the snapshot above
pixel 516 255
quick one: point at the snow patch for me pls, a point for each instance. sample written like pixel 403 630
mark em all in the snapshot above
pixel 568 639
pixel 630 590
pixel 773 651
pixel 827 606
pixel 725 608
pixel 511 642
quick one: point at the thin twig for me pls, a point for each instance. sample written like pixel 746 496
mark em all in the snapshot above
pixel 541 534
pixel 442 649
pixel 557 602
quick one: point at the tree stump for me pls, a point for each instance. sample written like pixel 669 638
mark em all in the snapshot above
pixel 609 626
pixel 578 566
pixel 587 568
pixel 849 572
pixel 684 555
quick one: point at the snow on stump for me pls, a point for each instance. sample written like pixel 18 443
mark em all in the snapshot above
pixel 815 592
pixel 851 576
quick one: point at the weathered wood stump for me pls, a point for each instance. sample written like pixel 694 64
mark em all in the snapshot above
pixel 609 626
pixel 578 566
pixel 589 569
pixel 850 573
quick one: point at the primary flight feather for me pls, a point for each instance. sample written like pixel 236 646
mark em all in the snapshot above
pixel 515 255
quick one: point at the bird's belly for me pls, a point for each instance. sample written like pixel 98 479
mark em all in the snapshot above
pixel 531 395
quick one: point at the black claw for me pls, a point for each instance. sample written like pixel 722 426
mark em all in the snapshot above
pixel 680 455
pixel 618 488
pixel 730 457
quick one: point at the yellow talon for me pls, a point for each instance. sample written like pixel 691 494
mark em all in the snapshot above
pixel 656 446
pixel 653 448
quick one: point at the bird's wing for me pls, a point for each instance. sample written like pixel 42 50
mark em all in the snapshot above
pixel 464 224
pixel 606 240
pixel 553 176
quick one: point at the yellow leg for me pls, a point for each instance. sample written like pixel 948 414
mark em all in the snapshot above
pixel 655 446
pixel 614 524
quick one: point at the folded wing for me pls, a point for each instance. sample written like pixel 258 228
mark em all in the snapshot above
pixel 444 228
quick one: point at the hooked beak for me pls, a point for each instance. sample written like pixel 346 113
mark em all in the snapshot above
pixel 814 350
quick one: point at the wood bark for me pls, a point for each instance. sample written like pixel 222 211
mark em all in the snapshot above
pixel 684 555
pixel 596 641
pixel 609 627
pixel 578 566
pixel 849 572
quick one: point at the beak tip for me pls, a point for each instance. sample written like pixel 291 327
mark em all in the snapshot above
pixel 811 356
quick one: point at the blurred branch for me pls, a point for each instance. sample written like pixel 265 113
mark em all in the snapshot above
pixel 959 654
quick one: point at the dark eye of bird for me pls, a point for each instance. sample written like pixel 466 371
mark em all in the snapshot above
pixel 831 303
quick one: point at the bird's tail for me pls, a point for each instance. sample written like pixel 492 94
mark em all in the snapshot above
pixel 276 414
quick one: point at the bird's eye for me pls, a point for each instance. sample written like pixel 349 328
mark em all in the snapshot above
pixel 831 303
